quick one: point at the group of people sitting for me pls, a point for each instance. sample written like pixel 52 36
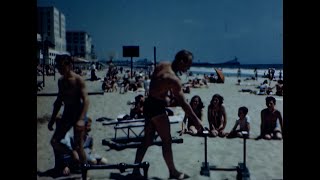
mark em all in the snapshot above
pixel 271 119
pixel 265 88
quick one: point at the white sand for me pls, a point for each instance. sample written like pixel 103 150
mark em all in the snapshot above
pixel 264 158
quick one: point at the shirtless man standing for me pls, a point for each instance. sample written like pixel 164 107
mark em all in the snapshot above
pixel 269 121
pixel 73 95
pixel 164 80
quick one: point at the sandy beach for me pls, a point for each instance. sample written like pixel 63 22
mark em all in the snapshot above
pixel 264 158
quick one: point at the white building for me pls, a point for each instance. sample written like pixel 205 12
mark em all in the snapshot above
pixel 51 26
pixel 79 44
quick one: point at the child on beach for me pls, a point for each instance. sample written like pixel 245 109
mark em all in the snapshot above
pixel 242 124
pixel 217 116
pixel 136 111
pixel 197 107
pixel 92 157
pixel 271 118
pixel 72 162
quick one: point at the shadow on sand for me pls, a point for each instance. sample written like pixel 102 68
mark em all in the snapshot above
pixel 58 175
pixel 118 176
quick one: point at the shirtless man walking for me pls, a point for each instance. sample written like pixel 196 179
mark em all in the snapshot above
pixel 73 95
pixel 164 80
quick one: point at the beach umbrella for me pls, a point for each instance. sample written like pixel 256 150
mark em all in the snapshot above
pixel 220 76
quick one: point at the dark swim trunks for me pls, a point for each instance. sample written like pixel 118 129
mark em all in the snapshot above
pixel 153 107
pixel 72 113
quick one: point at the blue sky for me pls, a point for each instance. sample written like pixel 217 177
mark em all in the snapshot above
pixel 213 30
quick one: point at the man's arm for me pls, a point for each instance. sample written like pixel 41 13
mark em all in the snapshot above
pixel 262 122
pixel 224 121
pixel 56 107
pixel 280 120
pixel 84 97
pixel 177 91
pixel 235 126
pixel 210 118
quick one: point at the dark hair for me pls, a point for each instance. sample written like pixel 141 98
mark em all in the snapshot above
pixel 183 54
pixel 219 97
pixel 200 105
pixel 63 58
pixel 137 98
pixel 88 121
pixel 270 98
pixel 244 110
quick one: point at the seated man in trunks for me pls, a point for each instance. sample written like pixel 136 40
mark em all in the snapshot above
pixel 73 95
pixel 270 120
pixel 163 80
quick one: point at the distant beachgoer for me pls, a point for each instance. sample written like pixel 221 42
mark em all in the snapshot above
pixel 217 116
pixel 242 124
pixel 280 75
pixel 264 88
pixel 271 121
pixel 163 80
pixel 279 87
pixel 146 84
pixel 256 73
pixel 239 73
pixel 72 94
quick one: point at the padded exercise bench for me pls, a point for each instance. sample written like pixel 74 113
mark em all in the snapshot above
pixel 128 126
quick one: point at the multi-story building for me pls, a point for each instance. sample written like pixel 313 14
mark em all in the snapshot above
pixel 79 44
pixel 52 27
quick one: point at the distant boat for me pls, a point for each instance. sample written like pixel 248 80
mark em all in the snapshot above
pixel 231 63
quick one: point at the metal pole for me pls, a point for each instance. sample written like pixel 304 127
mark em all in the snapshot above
pixel 44 55
pixel 244 151
pixel 205 150
pixel 131 67
pixel 154 56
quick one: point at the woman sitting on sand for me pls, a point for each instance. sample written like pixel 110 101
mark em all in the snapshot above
pixel 197 107
pixel 217 116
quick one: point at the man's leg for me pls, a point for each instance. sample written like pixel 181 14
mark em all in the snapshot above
pixel 162 126
pixel 79 134
pixel 149 132
pixel 58 148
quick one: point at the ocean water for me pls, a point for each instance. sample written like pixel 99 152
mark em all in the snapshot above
pixel 247 70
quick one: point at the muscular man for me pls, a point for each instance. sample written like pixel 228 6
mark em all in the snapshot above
pixel 164 80
pixel 73 95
